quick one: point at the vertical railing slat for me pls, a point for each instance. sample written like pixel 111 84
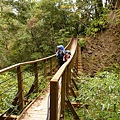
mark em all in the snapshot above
pixel 20 88
pixel 36 77
pixel 68 78
pixel 77 57
pixel 53 100
pixel 63 92
pixel 45 70
pixel 51 66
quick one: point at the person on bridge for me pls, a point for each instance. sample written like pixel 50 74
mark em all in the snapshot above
pixel 67 55
pixel 60 52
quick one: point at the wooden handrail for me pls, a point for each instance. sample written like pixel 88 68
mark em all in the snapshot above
pixel 31 62
pixel 19 67
pixel 59 86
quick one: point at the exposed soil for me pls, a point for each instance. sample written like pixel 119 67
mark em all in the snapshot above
pixel 103 50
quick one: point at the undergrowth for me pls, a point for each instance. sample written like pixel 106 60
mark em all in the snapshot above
pixel 9 88
pixel 102 94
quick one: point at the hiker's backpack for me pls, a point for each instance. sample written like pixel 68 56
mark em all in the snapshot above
pixel 60 53
pixel 68 51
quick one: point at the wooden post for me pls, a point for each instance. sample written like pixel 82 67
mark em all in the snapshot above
pixel 53 100
pixel 56 65
pixel 67 85
pixel 68 78
pixel 77 57
pixel 45 70
pixel 73 60
pixel 50 66
pixel 63 93
pixel 36 77
pixel 75 84
pixel 20 88
pixel 72 91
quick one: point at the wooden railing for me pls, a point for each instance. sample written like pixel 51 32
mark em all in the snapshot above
pixel 60 85
pixel 19 94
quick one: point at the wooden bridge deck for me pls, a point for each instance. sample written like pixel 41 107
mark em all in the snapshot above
pixel 38 109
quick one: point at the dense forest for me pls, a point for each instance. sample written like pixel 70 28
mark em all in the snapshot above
pixel 31 29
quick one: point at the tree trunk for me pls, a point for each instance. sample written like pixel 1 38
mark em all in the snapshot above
pixel 99 5
pixel 98 8
pixel 115 3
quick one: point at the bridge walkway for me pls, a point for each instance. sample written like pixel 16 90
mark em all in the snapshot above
pixel 54 95
pixel 38 109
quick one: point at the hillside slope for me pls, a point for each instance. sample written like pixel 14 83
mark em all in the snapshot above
pixel 103 50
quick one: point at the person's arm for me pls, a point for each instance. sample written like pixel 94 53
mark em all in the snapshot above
pixel 64 58
pixel 57 53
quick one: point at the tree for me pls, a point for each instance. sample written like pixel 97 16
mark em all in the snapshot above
pixel 31 31
pixel 13 20
pixel 5 34
pixel 115 3
pixel 98 8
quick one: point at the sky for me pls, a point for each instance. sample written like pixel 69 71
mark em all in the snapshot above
pixel 103 2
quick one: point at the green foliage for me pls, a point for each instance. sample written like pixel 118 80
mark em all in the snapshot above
pixel 68 115
pixel 9 88
pixel 101 94
pixel 96 25
pixel 30 31
pixel 36 55
pixel 82 42
pixel 115 68
pixel 7 97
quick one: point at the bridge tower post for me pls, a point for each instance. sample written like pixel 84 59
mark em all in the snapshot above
pixel 20 88
pixel 36 77
pixel 54 100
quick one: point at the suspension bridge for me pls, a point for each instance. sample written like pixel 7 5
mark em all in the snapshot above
pixel 43 92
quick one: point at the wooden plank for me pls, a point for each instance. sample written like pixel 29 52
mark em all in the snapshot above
pixel 63 94
pixel 72 91
pixel 45 70
pixel 53 100
pixel 37 102
pixel 75 84
pixel 37 110
pixel 20 88
pixel 11 117
pixel 51 66
pixel 36 77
